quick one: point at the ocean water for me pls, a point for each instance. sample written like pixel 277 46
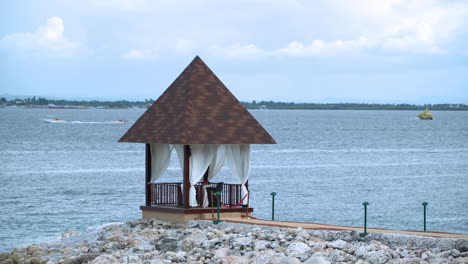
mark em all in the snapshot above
pixel 57 177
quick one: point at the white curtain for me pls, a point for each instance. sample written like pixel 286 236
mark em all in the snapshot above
pixel 201 158
pixel 180 153
pixel 160 158
pixel 238 158
pixel 217 162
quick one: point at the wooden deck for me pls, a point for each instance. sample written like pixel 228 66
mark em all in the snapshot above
pixel 316 226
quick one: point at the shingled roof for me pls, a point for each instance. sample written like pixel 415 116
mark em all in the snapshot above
pixel 197 108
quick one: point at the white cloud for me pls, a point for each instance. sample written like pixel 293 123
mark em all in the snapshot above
pixel 47 40
pixel 320 47
pixel 318 28
pixel 238 51
pixel 139 54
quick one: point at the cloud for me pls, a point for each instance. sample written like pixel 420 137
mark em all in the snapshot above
pixel 238 51
pixel 47 41
pixel 321 47
pixel 138 54
pixel 306 28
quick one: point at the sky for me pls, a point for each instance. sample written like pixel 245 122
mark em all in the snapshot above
pixel 374 51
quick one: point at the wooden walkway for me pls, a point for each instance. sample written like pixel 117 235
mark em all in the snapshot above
pixel 305 225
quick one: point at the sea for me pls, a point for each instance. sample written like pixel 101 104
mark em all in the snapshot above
pixel 56 177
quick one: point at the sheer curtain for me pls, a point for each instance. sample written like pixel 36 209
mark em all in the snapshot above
pixel 217 162
pixel 238 158
pixel 201 158
pixel 180 153
pixel 160 158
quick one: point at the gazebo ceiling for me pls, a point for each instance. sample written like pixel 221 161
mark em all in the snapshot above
pixel 197 109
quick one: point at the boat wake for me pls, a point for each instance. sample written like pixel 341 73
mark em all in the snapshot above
pixel 61 121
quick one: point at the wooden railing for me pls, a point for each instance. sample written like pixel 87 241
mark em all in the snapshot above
pixel 170 194
pixel 166 194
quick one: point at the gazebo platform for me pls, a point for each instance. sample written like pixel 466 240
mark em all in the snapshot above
pixel 182 215
pixel 166 203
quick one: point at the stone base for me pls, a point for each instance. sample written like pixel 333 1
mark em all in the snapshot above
pixel 182 215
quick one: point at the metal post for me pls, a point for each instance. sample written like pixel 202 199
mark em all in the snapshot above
pixel 148 175
pixel 365 220
pixel 218 196
pixel 273 206
pixel 186 185
pixel 424 204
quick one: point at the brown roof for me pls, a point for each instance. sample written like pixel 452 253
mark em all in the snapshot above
pixel 197 109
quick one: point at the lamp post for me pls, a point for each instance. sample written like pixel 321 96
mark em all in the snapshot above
pixel 424 204
pixel 273 194
pixel 365 220
pixel 218 196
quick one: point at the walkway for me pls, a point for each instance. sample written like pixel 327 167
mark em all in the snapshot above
pixel 305 225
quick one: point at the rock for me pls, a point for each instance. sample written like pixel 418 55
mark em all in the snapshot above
pixel 360 261
pixel 242 241
pixel 36 260
pixel 221 253
pixel 455 253
pixel 192 241
pixel 461 260
pixel 376 257
pixel 235 260
pixel 105 259
pixel 338 244
pixel 70 233
pixel 84 249
pixel 153 241
pixel 297 249
pixel 87 257
pixel 406 261
pixel 317 260
pixel 261 245
pixel 167 244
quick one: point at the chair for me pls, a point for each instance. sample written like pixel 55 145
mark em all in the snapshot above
pixel 209 190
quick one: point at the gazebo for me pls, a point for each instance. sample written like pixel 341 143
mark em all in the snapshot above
pixel 199 118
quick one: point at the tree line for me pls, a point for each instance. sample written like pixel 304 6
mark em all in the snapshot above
pixel 41 101
pixel 350 106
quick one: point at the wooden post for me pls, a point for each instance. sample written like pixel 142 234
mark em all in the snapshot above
pixel 186 175
pixel 248 191
pixel 148 174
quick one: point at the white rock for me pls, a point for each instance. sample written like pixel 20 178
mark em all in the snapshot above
pixel 339 244
pixel 297 249
pixel 317 260
pixel 235 260
pixel 84 249
pixel 242 241
pixel 261 245
pixel 105 259
pixel 221 253
pixel 360 261
pixel 376 257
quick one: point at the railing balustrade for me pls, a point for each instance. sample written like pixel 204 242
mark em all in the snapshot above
pixel 170 194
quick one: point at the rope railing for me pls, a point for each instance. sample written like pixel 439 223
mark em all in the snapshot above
pixel 237 205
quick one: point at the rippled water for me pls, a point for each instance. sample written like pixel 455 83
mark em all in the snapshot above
pixel 56 177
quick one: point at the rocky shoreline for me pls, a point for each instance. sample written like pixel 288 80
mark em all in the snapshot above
pixel 153 241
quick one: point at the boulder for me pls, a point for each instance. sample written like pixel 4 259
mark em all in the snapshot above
pixel 105 259
pixel 298 249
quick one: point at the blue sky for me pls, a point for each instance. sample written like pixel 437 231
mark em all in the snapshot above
pixel 413 51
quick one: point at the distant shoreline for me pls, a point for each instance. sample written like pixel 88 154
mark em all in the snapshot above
pixel 123 104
